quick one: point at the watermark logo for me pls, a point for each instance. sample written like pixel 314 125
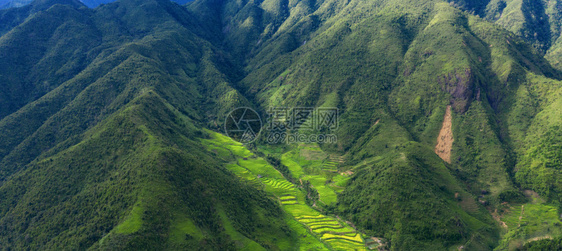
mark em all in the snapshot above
pixel 285 125
pixel 303 118
pixel 297 137
pixel 302 125
pixel 243 124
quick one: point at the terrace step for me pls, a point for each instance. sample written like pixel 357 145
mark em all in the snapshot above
pixel 314 224
pixel 311 217
pixel 287 203
pixel 314 221
pixel 293 199
pixel 326 226
pixel 343 239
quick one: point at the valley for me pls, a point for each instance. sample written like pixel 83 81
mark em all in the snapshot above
pixel 445 117
pixel 330 230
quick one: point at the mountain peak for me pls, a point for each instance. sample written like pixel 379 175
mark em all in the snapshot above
pixel 37 5
pixel 7 4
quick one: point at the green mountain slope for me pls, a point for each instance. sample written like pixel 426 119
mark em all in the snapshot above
pixel 538 22
pixel 440 213
pixel 393 69
pixel 113 132
pixel 105 117
pixel 153 189
pixel 43 53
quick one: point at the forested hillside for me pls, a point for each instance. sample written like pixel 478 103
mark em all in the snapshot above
pixel 448 138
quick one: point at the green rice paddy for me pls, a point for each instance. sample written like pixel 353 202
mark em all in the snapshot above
pixel 309 162
pixel 529 222
pixel 316 231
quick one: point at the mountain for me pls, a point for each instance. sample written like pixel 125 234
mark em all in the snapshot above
pixel 7 4
pixel 448 131
pixel 395 73
pixel 538 22
pixel 115 80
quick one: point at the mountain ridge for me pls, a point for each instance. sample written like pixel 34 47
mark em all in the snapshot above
pixel 7 4
pixel 113 110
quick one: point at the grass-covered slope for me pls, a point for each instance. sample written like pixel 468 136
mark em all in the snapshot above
pixel 109 158
pixel 411 198
pixel 139 179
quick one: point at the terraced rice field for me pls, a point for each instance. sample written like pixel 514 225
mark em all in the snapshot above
pixel 256 171
pixel 330 166
pixel 333 161
pixel 310 163
pixel 246 175
pixel 338 234
pixel 288 200
pixel 336 158
pixel 326 193
pixel 338 183
pixel 278 183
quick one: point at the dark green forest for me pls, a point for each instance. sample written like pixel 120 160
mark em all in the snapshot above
pixel 112 123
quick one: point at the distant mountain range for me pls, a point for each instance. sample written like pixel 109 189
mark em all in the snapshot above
pixel 5 4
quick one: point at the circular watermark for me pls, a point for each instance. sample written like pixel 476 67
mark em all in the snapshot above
pixel 243 125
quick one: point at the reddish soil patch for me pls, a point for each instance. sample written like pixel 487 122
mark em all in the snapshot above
pixel 347 173
pixel 445 139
